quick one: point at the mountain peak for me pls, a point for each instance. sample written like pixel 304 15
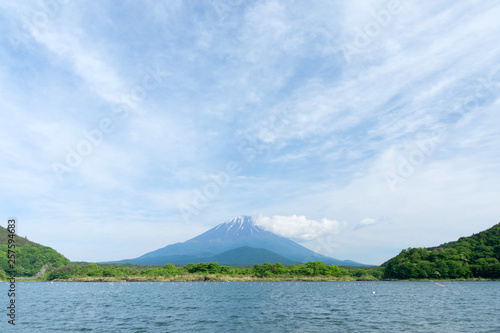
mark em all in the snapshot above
pixel 241 219
pixel 238 221
pixel 238 226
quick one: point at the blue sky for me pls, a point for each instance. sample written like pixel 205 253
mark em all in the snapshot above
pixel 356 129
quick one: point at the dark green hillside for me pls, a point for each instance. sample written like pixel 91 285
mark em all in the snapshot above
pixel 477 256
pixel 30 256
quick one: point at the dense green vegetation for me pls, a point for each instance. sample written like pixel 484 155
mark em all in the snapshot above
pixel 311 269
pixel 477 256
pixel 211 271
pixel 30 256
pixel 366 273
pixel 30 259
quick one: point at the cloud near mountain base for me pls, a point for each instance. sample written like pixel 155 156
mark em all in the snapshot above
pixel 299 227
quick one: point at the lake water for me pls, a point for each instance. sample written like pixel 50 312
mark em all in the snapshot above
pixel 255 307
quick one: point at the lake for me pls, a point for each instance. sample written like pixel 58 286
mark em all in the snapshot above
pixel 255 307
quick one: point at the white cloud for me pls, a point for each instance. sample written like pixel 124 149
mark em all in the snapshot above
pixel 366 222
pixel 299 227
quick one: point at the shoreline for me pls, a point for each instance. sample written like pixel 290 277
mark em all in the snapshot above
pixel 222 278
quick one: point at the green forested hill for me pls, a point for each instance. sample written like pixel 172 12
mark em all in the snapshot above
pixel 20 241
pixel 477 256
pixel 30 256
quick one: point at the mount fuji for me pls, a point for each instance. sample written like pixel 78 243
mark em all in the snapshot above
pixel 236 242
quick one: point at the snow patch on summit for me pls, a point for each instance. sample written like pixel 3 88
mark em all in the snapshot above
pixel 245 224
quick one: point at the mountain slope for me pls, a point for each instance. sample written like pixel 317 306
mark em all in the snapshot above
pixel 241 256
pixel 238 232
pixel 19 241
pixel 474 256
pixel 248 256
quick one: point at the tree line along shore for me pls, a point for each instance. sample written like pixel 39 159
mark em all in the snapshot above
pixel 213 272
